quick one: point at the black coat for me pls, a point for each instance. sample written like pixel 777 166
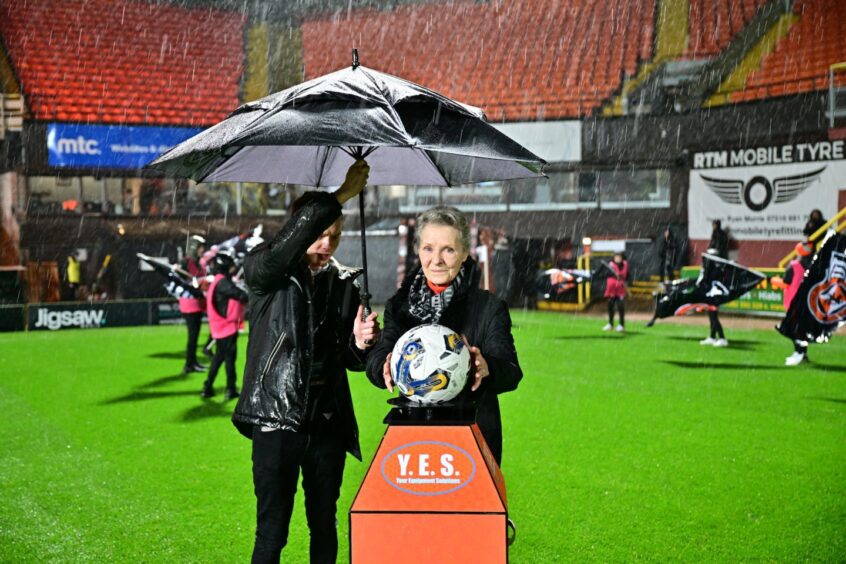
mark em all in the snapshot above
pixel 284 319
pixel 484 320
pixel 719 241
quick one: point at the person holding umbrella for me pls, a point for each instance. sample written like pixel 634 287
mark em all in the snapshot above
pixel 444 289
pixel 306 331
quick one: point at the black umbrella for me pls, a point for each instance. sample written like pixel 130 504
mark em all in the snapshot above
pixel 311 133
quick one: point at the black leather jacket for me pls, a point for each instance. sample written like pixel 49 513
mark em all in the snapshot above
pixel 284 319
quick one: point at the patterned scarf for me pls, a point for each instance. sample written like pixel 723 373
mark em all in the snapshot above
pixel 427 306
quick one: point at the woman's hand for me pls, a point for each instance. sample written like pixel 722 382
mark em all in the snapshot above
pixel 365 331
pixel 478 365
pixel 386 374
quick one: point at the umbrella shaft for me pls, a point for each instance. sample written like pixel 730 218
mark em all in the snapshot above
pixel 365 292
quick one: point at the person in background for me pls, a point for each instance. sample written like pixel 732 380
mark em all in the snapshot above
pixel 306 331
pixel 192 310
pixel 615 291
pixel 794 273
pixel 718 244
pixel 225 307
pixel 815 222
pixel 717 336
pixel 444 289
pixel 72 276
pixel 668 254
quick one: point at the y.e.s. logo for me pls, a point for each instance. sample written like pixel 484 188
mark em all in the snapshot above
pixel 428 468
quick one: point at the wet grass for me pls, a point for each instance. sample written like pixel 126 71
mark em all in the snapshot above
pixel 617 447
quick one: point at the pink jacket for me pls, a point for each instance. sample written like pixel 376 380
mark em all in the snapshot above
pixel 616 287
pixel 795 282
pixel 222 327
pixel 193 305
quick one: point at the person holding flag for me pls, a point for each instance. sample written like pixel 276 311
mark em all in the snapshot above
pixel 794 273
pixel 720 281
pixel 225 304
pixel 818 307
pixel 193 308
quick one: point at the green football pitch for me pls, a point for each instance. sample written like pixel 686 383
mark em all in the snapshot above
pixel 643 446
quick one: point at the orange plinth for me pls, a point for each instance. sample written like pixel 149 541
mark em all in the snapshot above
pixel 433 493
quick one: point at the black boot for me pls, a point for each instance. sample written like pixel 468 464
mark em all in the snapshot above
pixel 208 390
pixel 231 393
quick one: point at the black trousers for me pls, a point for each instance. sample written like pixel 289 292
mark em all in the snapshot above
pixel 193 322
pixel 620 304
pixel 278 457
pixel 227 350
pixel 716 326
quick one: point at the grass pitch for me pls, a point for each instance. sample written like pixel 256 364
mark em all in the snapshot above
pixel 644 446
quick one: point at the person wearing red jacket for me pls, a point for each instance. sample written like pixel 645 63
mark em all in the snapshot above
pixel 192 310
pixel 225 305
pixel 615 291
pixel 793 276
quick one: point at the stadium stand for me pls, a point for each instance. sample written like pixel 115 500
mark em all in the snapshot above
pixel 798 64
pixel 573 56
pixel 713 24
pixel 124 61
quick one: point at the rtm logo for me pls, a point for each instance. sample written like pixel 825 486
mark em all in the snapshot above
pixel 759 192
pixel 78 146
pixel 57 319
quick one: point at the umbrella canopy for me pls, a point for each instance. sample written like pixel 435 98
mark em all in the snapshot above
pixel 311 133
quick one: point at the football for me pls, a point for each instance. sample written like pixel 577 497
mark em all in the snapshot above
pixel 430 364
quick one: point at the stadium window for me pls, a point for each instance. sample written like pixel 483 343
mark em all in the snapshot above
pixel 481 197
pixel 114 195
pixel 47 194
pixel 420 198
pixel 559 191
pixel 633 189
pixel 391 198
pixel 588 186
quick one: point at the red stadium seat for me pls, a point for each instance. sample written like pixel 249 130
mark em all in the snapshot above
pixel 798 65
pixel 566 48
pixel 116 53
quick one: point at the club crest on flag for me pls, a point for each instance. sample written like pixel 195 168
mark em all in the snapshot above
pixel 827 299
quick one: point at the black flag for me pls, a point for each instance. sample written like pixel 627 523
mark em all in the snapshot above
pixel 555 281
pixel 720 281
pixel 179 283
pixel 819 306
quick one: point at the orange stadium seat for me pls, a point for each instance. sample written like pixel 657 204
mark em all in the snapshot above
pixel 798 64
pixel 107 60
pixel 713 23
pixel 569 51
